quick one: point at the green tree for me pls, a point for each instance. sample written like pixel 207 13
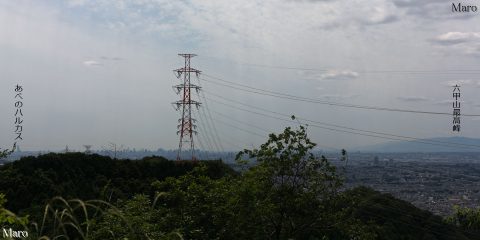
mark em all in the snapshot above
pixel 192 206
pixel 135 219
pixel 4 153
pixel 287 194
pixel 468 219
pixel 8 218
pixel 195 205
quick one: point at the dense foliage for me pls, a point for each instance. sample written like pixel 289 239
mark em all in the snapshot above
pixel 397 219
pixel 468 220
pixel 32 181
pixel 5 152
pixel 287 194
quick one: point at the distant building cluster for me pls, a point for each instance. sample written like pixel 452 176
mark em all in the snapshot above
pixel 432 181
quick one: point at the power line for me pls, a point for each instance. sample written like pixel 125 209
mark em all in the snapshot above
pixel 349 128
pixel 395 71
pixel 241 122
pixel 339 126
pixel 357 131
pixel 275 94
pixel 200 143
pixel 460 71
pixel 210 119
pixel 209 132
pixel 209 136
pixel 226 140
pixel 260 128
pixel 241 129
pixel 205 131
pixel 317 126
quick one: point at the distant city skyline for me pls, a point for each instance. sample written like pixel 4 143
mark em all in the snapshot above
pixel 100 72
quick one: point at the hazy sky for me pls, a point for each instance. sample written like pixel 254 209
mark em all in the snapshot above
pixel 96 72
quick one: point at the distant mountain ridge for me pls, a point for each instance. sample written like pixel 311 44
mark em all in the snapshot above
pixel 440 144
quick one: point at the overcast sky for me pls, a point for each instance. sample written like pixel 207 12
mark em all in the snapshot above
pixel 96 72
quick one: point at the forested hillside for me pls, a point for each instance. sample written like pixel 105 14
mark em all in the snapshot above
pixel 287 194
pixel 32 181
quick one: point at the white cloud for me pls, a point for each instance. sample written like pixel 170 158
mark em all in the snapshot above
pixel 467 43
pixel 339 75
pixel 458 82
pixel 92 63
pixel 357 15
pixel 237 24
pixel 379 15
pixel 332 75
pixel 451 38
pixel 339 35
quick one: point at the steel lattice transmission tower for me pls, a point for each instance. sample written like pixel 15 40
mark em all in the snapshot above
pixel 186 126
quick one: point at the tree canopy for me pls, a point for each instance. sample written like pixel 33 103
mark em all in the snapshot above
pixel 284 192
